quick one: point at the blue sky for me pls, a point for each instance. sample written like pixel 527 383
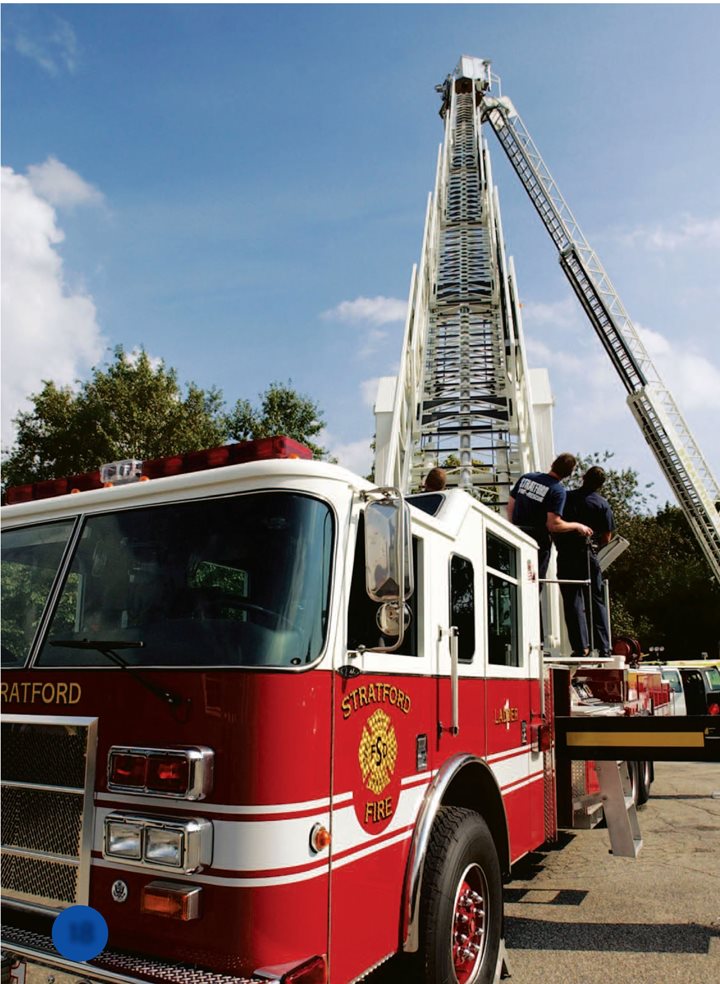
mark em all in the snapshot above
pixel 241 189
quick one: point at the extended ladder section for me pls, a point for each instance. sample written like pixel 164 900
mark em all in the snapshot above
pixel 650 401
pixel 462 398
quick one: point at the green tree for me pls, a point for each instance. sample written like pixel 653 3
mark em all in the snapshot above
pixel 661 591
pixel 134 408
pixel 281 411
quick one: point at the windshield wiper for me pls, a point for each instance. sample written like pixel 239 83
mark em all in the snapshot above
pixel 107 647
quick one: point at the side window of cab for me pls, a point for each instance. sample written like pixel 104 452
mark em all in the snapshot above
pixel 462 605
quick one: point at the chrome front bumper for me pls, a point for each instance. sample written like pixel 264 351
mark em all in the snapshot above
pixel 36 961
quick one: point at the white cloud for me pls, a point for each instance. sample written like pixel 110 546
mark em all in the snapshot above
pixel 132 358
pixel 368 310
pixel 372 339
pixel 61 186
pixel 368 389
pixel 356 456
pixel 53 52
pixel 688 232
pixel 49 332
pixel 557 314
pixel 691 377
pixel 591 413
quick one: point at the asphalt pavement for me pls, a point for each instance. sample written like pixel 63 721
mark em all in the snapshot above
pixel 577 915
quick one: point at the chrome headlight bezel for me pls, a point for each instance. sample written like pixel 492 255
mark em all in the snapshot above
pixel 193 837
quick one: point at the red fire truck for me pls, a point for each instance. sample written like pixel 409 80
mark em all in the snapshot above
pixel 273 723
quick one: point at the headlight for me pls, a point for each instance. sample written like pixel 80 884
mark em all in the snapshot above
pixel 123 839
pixel 158 842
pixel 164 846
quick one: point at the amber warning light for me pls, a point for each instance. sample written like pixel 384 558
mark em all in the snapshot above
pixel 131 470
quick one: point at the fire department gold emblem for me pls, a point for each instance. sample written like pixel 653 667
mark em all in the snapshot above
pixel 377 752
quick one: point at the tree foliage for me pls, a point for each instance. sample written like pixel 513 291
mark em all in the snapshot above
pixel 136 408
pixel 281 411
pixel 132 409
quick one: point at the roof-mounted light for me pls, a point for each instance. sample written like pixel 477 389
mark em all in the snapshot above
pixel 121 472
pixel 132 470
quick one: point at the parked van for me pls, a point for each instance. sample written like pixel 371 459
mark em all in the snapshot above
pixel 695 686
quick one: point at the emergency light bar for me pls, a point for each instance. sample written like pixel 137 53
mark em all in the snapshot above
pixel 131 470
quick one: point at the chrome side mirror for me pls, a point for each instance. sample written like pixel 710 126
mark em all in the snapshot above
pixel 388 550
pixel 389 578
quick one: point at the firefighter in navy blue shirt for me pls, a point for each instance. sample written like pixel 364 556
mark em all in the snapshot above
pixel 536 505
pixel 577 560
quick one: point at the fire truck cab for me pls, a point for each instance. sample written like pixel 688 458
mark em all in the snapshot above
pixel 228 730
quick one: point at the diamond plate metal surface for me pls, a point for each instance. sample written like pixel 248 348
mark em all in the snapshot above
pixel 124 964
pixel 550 793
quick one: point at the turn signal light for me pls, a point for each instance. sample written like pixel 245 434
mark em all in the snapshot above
pixel 160 898
pixel 181 773
pixel 168 773
pixel 319 838
pixel 127 769
pixel 543 737
pixel 311 972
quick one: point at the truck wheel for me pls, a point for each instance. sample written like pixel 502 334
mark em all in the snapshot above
pixel 634 773
pixel 644 771
pixel 461 902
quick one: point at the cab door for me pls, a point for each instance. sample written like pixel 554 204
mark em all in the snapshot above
pixel 383 721
pixel 513 686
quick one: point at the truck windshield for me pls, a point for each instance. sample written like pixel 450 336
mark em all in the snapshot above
pixel 234 581
pixel 31 557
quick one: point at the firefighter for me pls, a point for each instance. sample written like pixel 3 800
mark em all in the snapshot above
pixel 435 480
pixel 536 505
pixel 577 560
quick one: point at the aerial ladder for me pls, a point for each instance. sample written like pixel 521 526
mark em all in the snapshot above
pixel 462 398
pixel 463 328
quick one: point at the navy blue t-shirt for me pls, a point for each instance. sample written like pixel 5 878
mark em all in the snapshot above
pixel 592 510
pixel 537 494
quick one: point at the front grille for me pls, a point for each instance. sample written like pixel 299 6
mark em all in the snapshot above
pixel 39 879
pixel 42 820
pixel 54 751
pixel 47 771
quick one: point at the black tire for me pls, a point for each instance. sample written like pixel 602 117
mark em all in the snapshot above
pixel 461 890
pixel 645 776
pixel 634 773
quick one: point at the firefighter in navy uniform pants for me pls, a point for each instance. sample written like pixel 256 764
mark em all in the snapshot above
pixel 577 560
pixel 536 505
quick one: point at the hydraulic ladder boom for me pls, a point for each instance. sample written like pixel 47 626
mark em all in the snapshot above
pixel 650 401
pixel 462 398
pixel 463 390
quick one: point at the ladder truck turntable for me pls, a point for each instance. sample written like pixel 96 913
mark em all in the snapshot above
pixel 276 722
